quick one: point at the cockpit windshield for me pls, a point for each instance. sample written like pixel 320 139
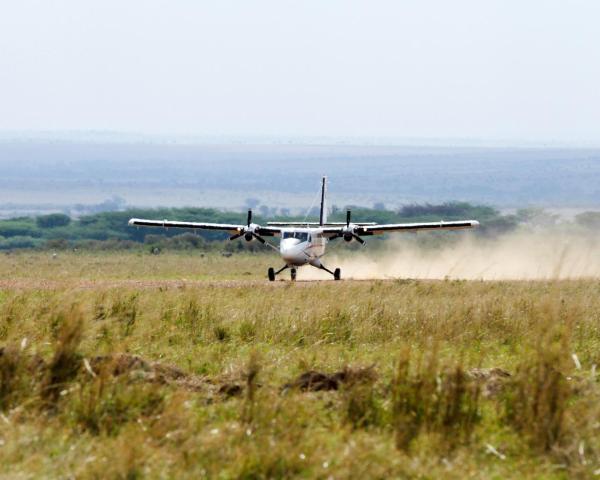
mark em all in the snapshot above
pixel 302 236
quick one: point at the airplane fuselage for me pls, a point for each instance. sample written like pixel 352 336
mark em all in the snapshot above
pixel 302 246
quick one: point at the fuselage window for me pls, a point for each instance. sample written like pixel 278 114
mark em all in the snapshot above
pixel 302 236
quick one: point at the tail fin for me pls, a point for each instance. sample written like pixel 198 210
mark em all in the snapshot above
pixel 323 214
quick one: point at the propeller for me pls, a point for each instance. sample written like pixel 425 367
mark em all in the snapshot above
pixel 348 233
pixel 254 235
pixel 248 232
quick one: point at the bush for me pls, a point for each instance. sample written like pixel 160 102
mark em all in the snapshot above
pixel 18 242
pixel 53 220
pixel 18 227
pixel 57 244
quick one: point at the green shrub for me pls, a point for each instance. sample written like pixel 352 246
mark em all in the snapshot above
pixel 19 242
pixel 53 220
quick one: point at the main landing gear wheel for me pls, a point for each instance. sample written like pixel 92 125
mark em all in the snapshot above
pixel 271 274
pixel 337 274
pixel 293 274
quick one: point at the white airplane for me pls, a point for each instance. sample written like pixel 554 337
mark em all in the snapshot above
pixel 303 243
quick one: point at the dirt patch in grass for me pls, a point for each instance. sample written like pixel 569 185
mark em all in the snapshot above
pixel 492 380
pixel 134 367
pixel 141 369
pixel 314 381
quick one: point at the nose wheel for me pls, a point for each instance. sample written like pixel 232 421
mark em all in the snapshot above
pixel 293 274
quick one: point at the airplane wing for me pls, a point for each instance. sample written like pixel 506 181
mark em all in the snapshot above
pixel 403 227
pixel 313 224
pixel 224 227
pixel 415 227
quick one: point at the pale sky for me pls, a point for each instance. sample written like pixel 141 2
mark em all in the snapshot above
pixel 488 69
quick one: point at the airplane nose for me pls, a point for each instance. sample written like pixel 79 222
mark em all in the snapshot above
pixel 288 248
pixel 288 243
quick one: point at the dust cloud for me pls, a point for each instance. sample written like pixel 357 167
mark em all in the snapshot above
pixel 517 256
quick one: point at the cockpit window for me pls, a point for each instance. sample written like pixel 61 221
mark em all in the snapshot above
pixel 302 236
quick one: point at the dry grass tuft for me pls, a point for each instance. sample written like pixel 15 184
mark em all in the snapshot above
pixel 429 398
pixel 251 375
pixel 67 360
pixel 10 375
pixel 538 397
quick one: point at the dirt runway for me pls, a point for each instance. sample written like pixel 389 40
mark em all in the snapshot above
pixel 85 284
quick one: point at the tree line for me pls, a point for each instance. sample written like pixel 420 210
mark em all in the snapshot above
pixel 109 230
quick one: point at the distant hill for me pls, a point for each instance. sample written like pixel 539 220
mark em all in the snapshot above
pixel 55 176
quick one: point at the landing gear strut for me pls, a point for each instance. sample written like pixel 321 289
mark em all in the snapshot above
pixel 337 273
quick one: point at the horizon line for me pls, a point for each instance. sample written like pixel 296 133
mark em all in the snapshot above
pixel 132 137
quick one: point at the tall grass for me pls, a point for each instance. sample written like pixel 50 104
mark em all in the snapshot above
pixel 66 361
pixel 539 397
pixel 11 376
pixel 428 397
pixel 417 412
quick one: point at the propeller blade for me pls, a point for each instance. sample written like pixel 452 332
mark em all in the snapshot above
pixel 249 217
pixel 237 235
pixel 260 239
pixel 358 239
pixel 348 216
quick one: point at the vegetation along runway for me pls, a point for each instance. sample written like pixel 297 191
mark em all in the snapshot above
pixel 131 365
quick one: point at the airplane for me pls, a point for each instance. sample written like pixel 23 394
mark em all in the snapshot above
pixel 304 243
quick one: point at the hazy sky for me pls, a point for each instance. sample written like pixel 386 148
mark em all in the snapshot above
pixel 491 69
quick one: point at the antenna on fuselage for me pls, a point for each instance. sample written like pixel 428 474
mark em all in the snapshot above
pixel 323 213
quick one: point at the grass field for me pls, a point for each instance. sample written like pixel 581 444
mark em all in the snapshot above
pixel 180 366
